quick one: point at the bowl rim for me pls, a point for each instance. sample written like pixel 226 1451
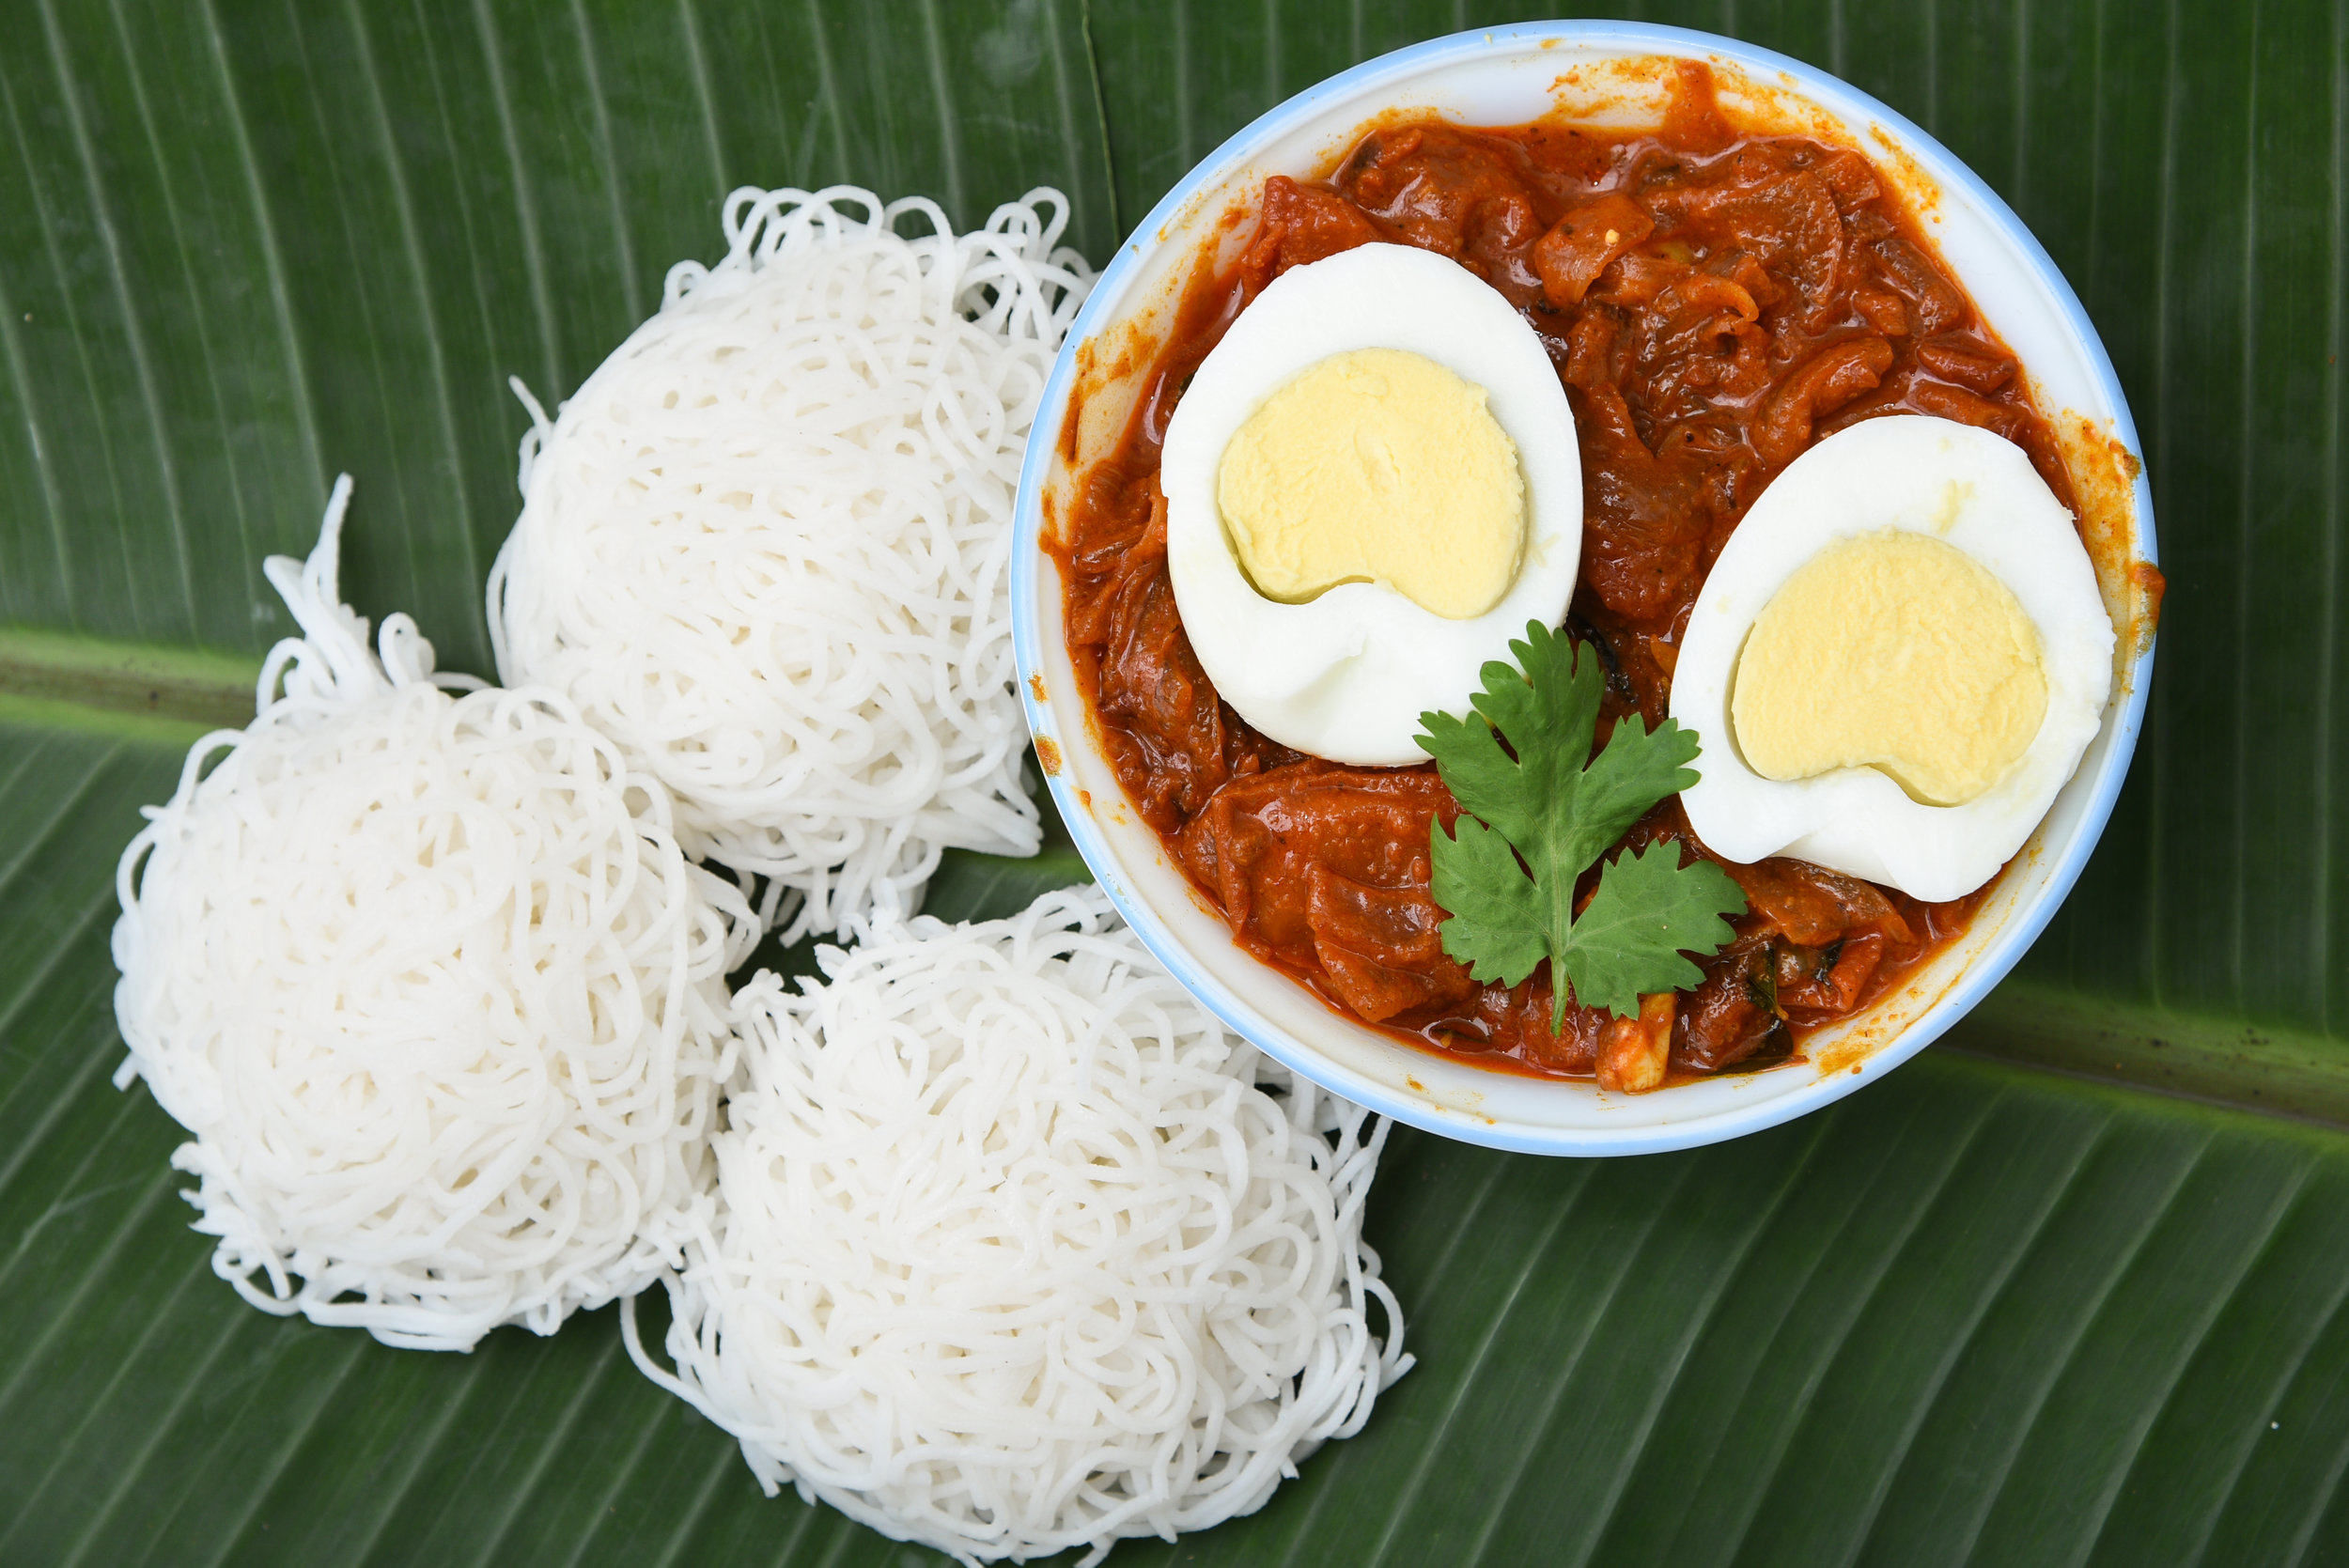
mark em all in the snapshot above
pixel 1949 173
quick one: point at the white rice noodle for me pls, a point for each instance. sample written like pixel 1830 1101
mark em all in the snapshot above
pixel 421 967
pixel 1016 1249
pixel 766 546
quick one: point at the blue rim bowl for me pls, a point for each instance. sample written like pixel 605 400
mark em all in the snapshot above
pixel 1613 74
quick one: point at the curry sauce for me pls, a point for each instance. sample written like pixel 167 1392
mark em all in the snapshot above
pixel 1714 301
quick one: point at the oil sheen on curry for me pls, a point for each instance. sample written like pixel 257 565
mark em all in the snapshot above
pixel 1677 455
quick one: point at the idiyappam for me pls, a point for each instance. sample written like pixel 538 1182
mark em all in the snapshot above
pixel 421 967
pixel 766 546
pixel 1015 1249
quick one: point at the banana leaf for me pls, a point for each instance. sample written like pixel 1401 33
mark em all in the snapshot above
pixel 2073 1287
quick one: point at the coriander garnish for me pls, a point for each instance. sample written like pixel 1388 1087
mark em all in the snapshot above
pixel 1556 809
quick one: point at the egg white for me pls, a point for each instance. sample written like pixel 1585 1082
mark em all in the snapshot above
pixel 1347 674
pixel 1973 490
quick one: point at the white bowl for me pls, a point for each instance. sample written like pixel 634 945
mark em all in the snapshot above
pixel 1603 73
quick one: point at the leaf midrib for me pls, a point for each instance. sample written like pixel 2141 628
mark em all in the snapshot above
pixel 190 686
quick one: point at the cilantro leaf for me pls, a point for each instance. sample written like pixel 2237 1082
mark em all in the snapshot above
pixel 1649 910
pixel 1496 913
pixel 1556 809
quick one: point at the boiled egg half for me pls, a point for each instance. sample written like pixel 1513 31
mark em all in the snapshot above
pixel 1372 485
pixel 1896 663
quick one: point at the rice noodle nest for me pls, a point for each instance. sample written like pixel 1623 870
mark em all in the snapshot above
pixel 766 547
pixel 422 969
pixel 1015 1249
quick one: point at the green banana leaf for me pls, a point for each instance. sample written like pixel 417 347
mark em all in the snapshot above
pixel 2070 1288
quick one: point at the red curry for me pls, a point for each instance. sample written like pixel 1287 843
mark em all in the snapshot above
pixel 1714 303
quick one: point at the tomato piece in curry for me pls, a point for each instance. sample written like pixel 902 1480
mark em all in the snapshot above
pixel 1714 301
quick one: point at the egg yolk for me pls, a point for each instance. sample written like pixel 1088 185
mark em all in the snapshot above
pixel 1896 651
pixel 1375 466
